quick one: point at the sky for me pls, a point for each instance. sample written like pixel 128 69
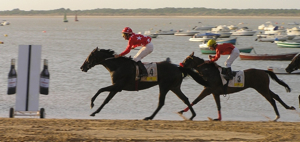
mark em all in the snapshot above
pixel 151 4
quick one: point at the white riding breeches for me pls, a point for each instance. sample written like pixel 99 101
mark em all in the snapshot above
pixel 143 52
pixel 234 54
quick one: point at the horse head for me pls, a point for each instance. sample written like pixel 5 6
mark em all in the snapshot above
pixel 294 65
pixel 96 57
pixel 191 61
pixel 204 68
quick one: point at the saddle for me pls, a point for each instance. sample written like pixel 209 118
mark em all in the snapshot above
pixel 152 72
pixel 237 81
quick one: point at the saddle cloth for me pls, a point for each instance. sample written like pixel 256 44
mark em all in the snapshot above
pixel 152 72
pixel 237 81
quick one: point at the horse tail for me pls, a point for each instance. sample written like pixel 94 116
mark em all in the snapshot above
pixel 194 75
pixel 274 77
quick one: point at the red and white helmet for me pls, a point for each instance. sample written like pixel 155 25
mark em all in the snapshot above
pixel 127 30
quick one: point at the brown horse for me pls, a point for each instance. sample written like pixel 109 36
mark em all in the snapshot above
pixel 294 65
pixel 254 78
pixel 123 72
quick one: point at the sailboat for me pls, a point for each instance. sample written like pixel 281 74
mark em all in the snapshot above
pixel 65 18
pixel 76 17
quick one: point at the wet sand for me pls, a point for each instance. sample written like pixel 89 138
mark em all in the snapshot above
pixel 34 129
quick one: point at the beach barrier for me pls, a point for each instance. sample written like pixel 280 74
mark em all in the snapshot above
pixel 28 82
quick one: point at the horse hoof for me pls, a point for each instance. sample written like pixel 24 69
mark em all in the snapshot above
pixel 210 119
pixel 93 114
pixel 292 108
pixel 92 105
pixel 147 118
pixel 180 112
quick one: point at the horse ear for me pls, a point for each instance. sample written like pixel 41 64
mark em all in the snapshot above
pixel 192 54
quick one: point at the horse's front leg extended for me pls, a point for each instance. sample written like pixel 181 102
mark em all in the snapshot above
pixel 202 95
pixel 108 98
pixel 108 88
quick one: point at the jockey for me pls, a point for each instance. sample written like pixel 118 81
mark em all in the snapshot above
pixel 224 49
pixel 135 40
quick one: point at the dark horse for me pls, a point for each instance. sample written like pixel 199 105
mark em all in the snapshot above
pixel 254 78
pixel 123 72
pixel 294 65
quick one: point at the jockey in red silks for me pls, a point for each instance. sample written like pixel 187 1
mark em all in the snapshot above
pixel 224 49
pixel 135 40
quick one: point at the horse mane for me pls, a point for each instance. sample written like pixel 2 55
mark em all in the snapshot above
pixel 213 63
pixel 112 52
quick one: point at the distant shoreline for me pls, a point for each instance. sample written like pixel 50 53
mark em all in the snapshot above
pixel 192 17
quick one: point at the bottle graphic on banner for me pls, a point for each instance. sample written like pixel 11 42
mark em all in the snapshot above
pixel 44 79
pixel 12 79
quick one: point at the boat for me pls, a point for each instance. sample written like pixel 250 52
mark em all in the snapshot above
pixel 204 37
pixel 76 19
pixel 232 41
pixel 278 70
pixel 243 32
pixel 283 56
pixel 272 38
pixel 232 27
pixel 152 35
pixel 288 44
pixel 65 18
pixel 168 32
pixel 5 23
pixel 223 30
pixel 203 28
pixel 293 31
pixel 206 50
pixel 186 33
pixel 293 23
pixel 275 30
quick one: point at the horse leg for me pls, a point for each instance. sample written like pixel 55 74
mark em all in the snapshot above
pixel 108 98
pixel 202 95
pixel 181 96
pixel 217 100
pixel 268 95
pixel 162 96
pixel 114 87
pixel 277 98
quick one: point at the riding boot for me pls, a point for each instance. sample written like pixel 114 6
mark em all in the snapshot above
pixel 143 70
pixel 229 74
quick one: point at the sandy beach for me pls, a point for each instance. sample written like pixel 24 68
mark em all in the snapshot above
pixel 34 129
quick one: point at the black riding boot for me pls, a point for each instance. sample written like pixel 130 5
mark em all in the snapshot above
pixel 143 70
pixel 229 74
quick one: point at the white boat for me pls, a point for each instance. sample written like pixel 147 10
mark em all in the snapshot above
pixel 278 70
pixel 204 37
pixel 5 23
pixel 168 32
pixel 223 30
pixel 203 28
pixel 275 30
pixel 186 33
pixel 293 23
pixel 243 32
pixel 152 35
pixel 272 38
pixel 293 31
pixel 232 27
